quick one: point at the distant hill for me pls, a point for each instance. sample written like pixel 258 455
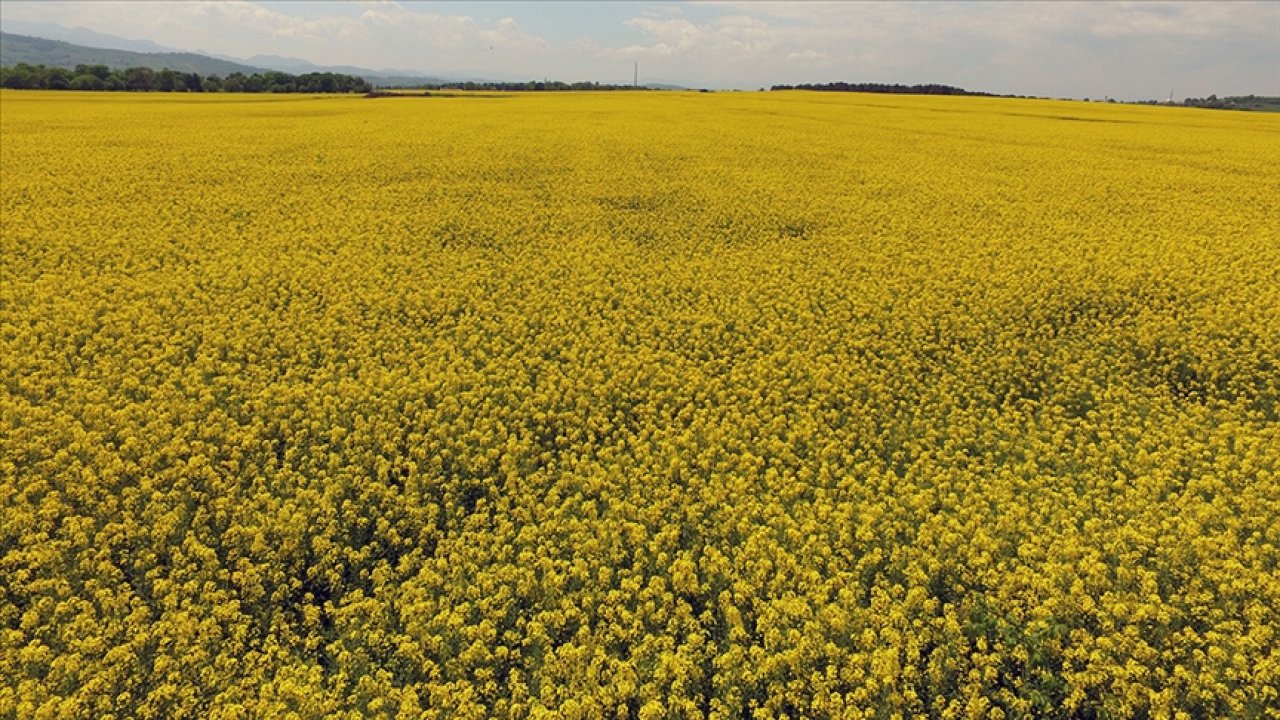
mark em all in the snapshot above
pixel 83 36
pixel 297 65
pixel 383 78
pixel 58 46
pixel 16 49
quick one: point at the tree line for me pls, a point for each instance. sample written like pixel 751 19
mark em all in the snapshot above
pixel 144 79
pixel 931 89
pixel 1246 102
pixel 534 86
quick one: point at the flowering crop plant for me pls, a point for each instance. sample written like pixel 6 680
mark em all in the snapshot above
pixel 637 405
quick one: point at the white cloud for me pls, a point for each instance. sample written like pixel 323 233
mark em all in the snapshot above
pixel 671 34
pixel 731 41
pixel 808 56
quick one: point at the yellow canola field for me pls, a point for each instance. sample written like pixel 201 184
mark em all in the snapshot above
pixel 637 405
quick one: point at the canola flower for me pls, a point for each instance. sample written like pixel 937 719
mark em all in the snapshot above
pixel 656 405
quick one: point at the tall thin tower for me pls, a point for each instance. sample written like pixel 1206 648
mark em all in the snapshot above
pixel 635 75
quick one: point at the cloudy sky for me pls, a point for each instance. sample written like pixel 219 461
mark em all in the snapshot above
pixel 1126 50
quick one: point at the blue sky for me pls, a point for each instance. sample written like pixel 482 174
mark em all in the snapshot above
pixel 1126 50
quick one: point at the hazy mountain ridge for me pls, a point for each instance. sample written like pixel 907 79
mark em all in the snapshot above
pixel 57 46
pixel 298 65
pixel 86 37
pixel 16 49
pixel 54 45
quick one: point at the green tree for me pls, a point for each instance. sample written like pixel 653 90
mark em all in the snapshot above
pixel 57 79
pixel 139 79
pixel 86 81
pixel 20 77
pixel 102 72
pixel 166 80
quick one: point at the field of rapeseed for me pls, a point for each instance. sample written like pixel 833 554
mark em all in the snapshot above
pixel 637 406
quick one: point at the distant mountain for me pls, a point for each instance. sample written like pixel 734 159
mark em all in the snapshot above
pixel 16 49
pixel 57 46
pixel 385 78
pixel 54 45
pixel 283 64
pixel 81 36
